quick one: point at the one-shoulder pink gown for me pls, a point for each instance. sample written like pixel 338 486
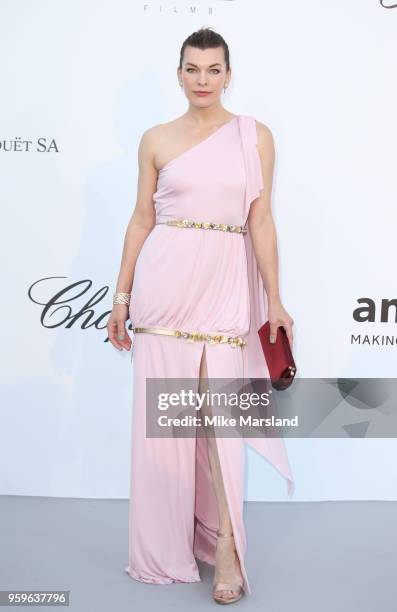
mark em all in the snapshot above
pixel 196 280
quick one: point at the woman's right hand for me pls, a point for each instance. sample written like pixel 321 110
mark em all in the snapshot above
pixel 117 332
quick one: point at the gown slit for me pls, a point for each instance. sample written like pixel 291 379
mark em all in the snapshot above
pixel 230 455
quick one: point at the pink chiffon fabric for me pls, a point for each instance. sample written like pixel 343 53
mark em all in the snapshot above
pixel 196 280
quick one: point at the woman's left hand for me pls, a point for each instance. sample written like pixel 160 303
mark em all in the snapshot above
pixel 279 317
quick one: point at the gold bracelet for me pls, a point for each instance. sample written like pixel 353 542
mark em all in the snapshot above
pixel 121 298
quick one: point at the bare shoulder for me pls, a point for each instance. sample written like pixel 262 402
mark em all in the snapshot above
pixel 150 137
pixel 148 145
pixel 156 138
pixel 159 131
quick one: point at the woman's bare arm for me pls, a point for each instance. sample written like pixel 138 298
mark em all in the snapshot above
pixel 142 219
pixel 260 219
pixel 264 238
pixel 139 227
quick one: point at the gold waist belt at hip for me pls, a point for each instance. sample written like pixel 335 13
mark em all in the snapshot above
pixel 224 227
pixel 234 341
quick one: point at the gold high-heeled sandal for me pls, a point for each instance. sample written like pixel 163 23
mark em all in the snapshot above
pixel 226 586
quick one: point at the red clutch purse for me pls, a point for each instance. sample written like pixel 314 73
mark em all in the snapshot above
pixel 278 357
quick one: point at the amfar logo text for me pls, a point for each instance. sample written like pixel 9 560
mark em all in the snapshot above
pixel 370 312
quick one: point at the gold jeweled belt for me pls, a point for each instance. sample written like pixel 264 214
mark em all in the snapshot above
pixel 224 227
pixel 195 336
pixel 234 341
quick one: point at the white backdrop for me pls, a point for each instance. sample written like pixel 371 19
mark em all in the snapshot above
pixel 80 83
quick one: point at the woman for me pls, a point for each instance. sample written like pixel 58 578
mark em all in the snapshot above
pixel 199 249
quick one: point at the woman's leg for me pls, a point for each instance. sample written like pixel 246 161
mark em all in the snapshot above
pixel 227 566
